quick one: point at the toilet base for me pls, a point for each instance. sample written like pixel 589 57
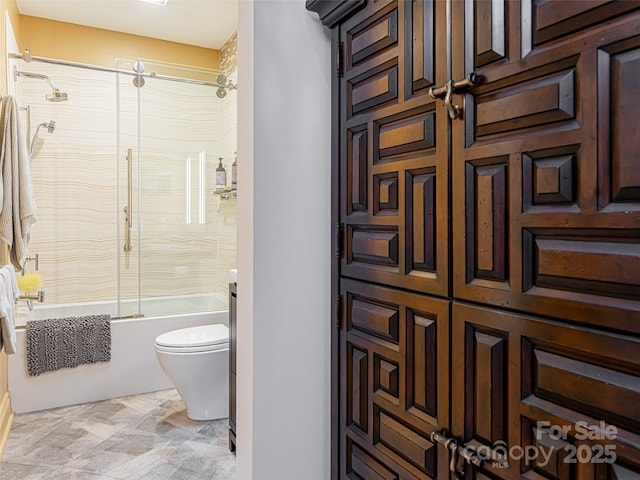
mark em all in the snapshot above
pixel 202 381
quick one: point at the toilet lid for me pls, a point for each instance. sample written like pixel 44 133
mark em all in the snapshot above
pixel 202 336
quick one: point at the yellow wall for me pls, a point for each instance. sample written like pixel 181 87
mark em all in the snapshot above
pixel 75 43
pixel 6 414
pixel 10 7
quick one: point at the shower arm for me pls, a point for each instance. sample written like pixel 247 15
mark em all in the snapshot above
pixel 17 73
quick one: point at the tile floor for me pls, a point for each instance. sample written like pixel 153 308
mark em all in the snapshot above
pixel 140 437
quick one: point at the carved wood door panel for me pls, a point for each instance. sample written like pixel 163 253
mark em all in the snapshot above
pixel 489 265
pixel 394 149
pixel 546 217
pixel 394 172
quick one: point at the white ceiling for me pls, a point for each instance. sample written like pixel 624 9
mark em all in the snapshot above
pixel 205 23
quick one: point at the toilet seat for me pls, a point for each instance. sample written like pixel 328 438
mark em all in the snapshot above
pixel 204 338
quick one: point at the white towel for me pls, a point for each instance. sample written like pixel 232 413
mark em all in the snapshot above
pixel 18 211
pixel 8 297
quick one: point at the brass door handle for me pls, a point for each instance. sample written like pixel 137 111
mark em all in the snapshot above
pixel 451 87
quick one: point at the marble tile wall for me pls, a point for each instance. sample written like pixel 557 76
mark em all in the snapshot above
pixel 229 55
pixel 183 236
pixel 229 142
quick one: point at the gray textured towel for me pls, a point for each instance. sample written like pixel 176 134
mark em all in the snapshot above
pixel 67 342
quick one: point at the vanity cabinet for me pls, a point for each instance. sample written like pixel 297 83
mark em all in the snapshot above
pixel 233 298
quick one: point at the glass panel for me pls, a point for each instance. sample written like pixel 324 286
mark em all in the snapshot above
pixel 73 178
pixel 182 235
pixel 128 189
pixel 185 233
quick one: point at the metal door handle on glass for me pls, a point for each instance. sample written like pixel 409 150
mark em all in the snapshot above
pixel 127 209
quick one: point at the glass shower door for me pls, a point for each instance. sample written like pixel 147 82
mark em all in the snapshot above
pixel 128 186
pixel 180 229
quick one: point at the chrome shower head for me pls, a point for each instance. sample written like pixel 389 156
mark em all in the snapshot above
pixel 221 92
pixel 51 126
pixel 57 96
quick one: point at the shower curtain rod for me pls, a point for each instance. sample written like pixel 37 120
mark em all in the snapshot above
pixel 116 70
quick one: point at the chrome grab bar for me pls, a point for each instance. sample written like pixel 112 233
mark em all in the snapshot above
pixel 127 208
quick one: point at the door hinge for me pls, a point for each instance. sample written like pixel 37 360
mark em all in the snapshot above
pixel 338 240
pixel 339 59
pixel 338 311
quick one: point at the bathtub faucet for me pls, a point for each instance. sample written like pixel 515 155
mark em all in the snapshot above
pixel 39 296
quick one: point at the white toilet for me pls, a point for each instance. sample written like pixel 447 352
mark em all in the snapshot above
pixel 196 360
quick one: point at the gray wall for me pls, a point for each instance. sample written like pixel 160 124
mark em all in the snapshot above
pixel 284 76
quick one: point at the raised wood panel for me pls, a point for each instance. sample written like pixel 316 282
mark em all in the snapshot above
pixel 485 386
pixel 384 96
pixel 357 382
pixel 489 387
pixel 487 222
pixel 385 194
pixel 557 18
pixel 362 466
pixel 371 39
pixel 419 45
pixel 549 180
pixel 386 376
pixel 539 102
pixel 618 180
pixel 568 382
pixel 374 318
pixel 489 21
pixel 407 389
pixel 625 140
pixel 554 374
pixel 373 246
pixel 586 261
pixel 561 173
pixel 553 180
pixel 403 136
pixel 358 170
pixel 373 88
pixel 398 439
pixel 422 354
pixel 555 462
pixel 420 221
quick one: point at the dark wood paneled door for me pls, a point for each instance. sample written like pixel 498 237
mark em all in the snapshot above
pixel 394 170
pixel 489 264
pixel 546 217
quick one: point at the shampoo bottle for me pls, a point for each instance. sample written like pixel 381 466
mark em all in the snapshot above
pixel 234 172
pixel 221 176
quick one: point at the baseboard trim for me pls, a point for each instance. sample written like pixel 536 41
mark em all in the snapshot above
pixel 6 420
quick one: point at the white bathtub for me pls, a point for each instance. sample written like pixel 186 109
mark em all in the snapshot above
pixel 133 367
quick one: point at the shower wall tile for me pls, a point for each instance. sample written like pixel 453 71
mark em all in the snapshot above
pixel 182 242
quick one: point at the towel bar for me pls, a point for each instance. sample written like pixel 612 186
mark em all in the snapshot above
pixel 39 296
